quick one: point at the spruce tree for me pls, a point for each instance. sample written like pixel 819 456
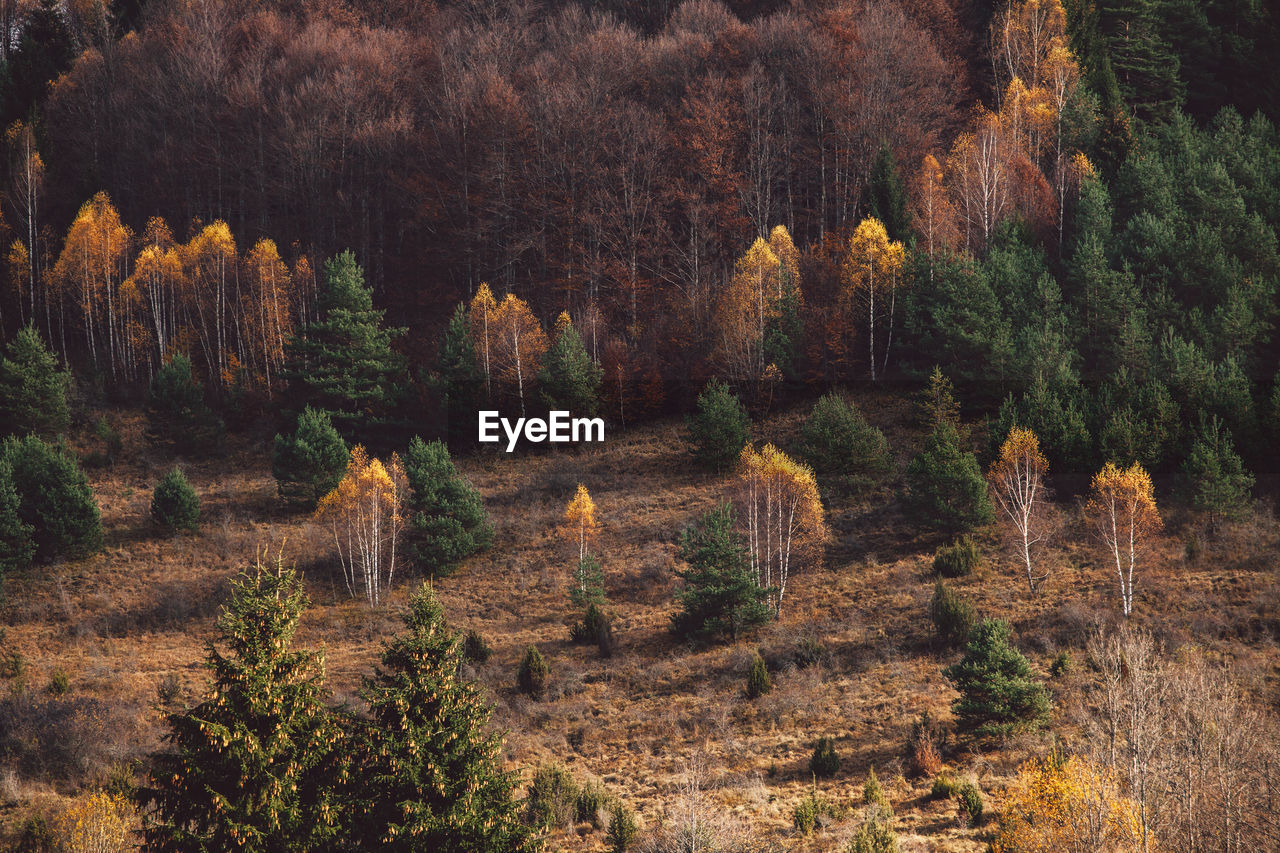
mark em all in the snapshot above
pixel 837 441
pixel 458 378
pixel 719 428
pixel 177 417
pixel 175 506
pixel 427 775
pixel 447 519
pixel 945 488
pixel 343 363
pixel 998 692
pixel 887 197
pixel 33 391
pixel 254 767
pixel 1217 482
pixel 54 499
pixel 720 593
pixel 309 463
pixel 17 546
pixel 44 50
pixel 569 380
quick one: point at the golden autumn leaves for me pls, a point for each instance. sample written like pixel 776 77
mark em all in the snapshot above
pixel 1121 508
pixel 509 340
pixel 366 516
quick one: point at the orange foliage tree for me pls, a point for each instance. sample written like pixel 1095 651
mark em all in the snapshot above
pixel 210 264
pixel 480 315
pixel 365 513
pixel 518 344
pixel 748 304
pixel 580 521
pixel 933 210
pixel 100 823
pixel 1122 506
pixel 1016 478
pixel 1067 805
pixel 267 309
pixel 782 513
pixel 873 266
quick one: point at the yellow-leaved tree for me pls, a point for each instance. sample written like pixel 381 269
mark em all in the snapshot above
pixel 1069 805
pixel 1122 507
pixel 159 279
pixel 365 513
pixel 873 267
pixel 932 208
pixel 743 313
pixel 480 317
pixel 580 521
pixel 782 512
pixel 210 263
pixel 1016 478
pixel 518 344
pixel 267 309
pixel 99 823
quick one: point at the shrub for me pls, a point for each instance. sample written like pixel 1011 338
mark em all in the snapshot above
pixel 552 800
pixel 33 390
pixel 596 627
pixel 824 762
pixel 719 427
pixel 944 787
pixel 874 836
pixel 591 803
pixel 177 417
pixel 623 830
pixel 837 441
pixel 475 648
pixel 922 748
pixel 112 445
pixel 998 693
pixel 174 504
pixel 970 799
pixel 100 823
pixel 59 683
pixel 873 793
pixel 945 488
pixel 1061 665
pixel 810 652
pixel 958 559
pixel 309 463
pixel 758 680
pixel 809 811
pixel 953 617
pixel 17 542
pixel 532 675
pixel 54 499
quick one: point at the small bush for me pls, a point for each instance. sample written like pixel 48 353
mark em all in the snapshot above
pixel 591 803
pixel 970 799
pixel 922 747
pixel 874 836
pixel 758 680
pixel 1061 665
pixel 873 793
pixel 824 763
pixel 532 675
pixel 953 617
pixel 622 829
pixel 959 559
pixel 944 787
pixel 718 428
pixel 175 505
pixel 809 812
pixel 475 648
pixel 552 800
pixel 837 441
pixel 810 652
pixel 588 630
pixel 59 684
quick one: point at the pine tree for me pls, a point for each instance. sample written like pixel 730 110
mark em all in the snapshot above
pixel 309 463
pixel 532 675
pixel 33 391
pixel 998 692
pixel 45 50
pixel 447 519
pixel 428 776
pixel 17 546
pixel 837 441
pixel 887 196
pixel 719 427
pixel 343 363
pixel 254 766
pixel 945 488
pixel 720 594
pixel 177 417
pixel 459 377
pixel 175 506
pixel 569 379
pixel 1216 479
pixel 54 499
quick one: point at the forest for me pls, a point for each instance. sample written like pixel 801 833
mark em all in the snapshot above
pixel 935 342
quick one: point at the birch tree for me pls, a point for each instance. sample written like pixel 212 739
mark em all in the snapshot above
pixel 1122 507
pixel 518 345
pixel 365 514
pixel 873 267
pixel 1016 479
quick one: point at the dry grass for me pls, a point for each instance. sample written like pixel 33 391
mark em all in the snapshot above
pixel 133 620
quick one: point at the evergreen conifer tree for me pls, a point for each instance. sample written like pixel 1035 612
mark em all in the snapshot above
pixel 718 428
pixel 458 378
pixel 309 463
pixel 720 594
pixel 945 488
pixel 33 391
pixel 998 692
pixel 569 379
pixel 427 775
pixel 254 767
pixel 17 546
pixel 45 50
pixel 1216 479
pixel 837 440
pixel 177 417
pixel 175 506
pixel 54 499
pixel 343 363
pixel 887 197
pixel 447 519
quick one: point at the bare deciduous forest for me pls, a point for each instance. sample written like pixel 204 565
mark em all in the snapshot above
pixel 935 344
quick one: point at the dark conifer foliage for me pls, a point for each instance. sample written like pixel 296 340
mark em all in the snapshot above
pixel 33 389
